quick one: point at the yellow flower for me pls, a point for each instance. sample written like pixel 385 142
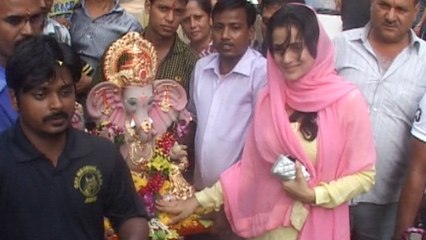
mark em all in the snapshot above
pixel 139 181
pixel 160 163
pixel 165 188
pixel 107 224
pixel 164 218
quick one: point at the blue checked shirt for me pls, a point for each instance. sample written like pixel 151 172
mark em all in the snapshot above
pixel 90 37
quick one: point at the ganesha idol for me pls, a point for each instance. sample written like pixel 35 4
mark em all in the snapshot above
pixel 145 117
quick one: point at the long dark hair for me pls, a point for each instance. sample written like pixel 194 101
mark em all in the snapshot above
pixel 300 17
pixel 305 21
pixel 308 124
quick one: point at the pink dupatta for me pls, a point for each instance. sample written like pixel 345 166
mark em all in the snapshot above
pixel 254 199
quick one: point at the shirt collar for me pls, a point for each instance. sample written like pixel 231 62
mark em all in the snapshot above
pixel 243 66
pixel 49 26
pixel 363 36
pixel 178 45
pixel 415 41
pixel 116 8
pixel 24 151
pixel 2 78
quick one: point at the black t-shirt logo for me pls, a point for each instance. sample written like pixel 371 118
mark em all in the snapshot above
pixel 89 181
pixel 418 114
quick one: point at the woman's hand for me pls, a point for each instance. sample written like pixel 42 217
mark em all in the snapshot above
pixel 179 154
pixel 298 188
pixel 178 151
pixel 180 209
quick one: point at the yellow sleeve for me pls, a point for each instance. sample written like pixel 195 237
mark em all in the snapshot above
pixel 211 197
pixel 334 193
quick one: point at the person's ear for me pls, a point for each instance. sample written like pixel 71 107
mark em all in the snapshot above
pixel 252 33
pixel 147 6
pixel 13 99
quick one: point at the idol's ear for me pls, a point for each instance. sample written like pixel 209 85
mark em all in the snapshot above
pixel 169 101
pixel 104 104
pixel 77 120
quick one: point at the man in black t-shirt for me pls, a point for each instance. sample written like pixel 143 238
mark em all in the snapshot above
pixel 57 182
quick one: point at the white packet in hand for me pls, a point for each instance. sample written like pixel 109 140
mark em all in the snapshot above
pixel 285 168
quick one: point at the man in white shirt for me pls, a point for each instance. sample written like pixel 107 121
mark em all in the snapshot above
pixel 412 193
pixel 223 91
pixel 386 61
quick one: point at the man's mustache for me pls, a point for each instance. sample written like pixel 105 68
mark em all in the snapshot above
pixel 56 116
pixel 226 43
pixel 390 23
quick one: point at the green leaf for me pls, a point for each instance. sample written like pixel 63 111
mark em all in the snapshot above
pixel 161 235
pixel 206 223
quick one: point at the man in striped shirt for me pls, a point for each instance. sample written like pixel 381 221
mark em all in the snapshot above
pixel 386 60
pixel 175 58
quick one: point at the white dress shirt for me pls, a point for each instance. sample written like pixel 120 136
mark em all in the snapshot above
pixel 393 96
pixel 419 125
pixel 222 106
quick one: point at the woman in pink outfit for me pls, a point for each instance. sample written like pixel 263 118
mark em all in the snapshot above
pixel 311 114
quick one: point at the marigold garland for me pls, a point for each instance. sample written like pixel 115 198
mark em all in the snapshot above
pixel 152 184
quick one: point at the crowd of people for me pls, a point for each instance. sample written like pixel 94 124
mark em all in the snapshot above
pixel 336 87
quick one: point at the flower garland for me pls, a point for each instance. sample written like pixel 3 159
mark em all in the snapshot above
pixel 152 183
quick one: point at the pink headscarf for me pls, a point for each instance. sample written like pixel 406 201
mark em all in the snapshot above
pixel 255 201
